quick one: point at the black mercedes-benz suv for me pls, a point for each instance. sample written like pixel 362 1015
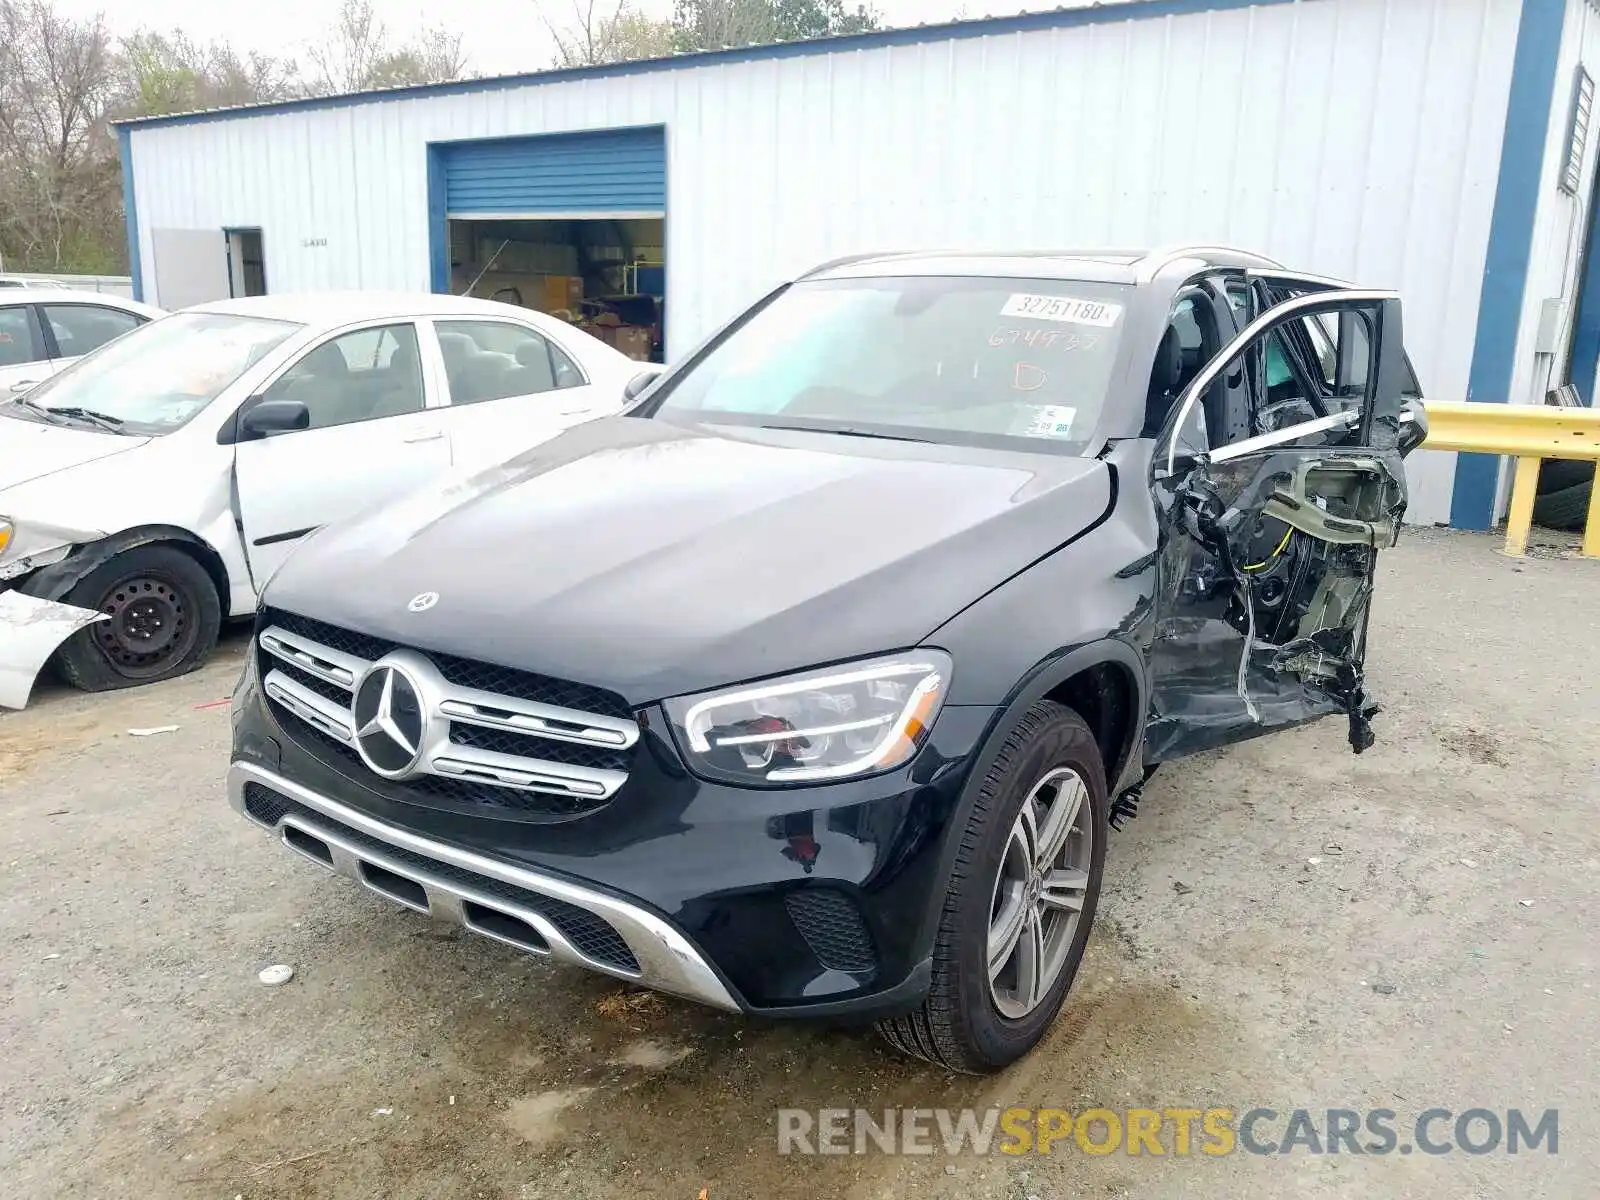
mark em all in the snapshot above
pixel 811 685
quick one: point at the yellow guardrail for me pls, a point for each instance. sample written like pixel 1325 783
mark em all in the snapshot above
pixel 1527 432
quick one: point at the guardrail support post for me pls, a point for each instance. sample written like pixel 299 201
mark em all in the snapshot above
pixel 1520 518
pixel 1591 526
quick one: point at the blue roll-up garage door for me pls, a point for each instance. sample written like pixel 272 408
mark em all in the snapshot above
pixel 609 173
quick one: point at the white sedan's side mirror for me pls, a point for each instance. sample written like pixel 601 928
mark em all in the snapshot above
pixel 639 384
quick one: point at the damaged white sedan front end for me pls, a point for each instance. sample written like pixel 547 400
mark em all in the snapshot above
pixel 25 546
pixel 31 630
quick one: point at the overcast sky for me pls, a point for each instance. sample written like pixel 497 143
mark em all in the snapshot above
pixel 499 36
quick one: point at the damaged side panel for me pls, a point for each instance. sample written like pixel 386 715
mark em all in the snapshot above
pixel 1267 575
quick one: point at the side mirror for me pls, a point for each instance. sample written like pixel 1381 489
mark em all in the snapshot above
pixel 639 384
pixel 1413 426
pixel 267 417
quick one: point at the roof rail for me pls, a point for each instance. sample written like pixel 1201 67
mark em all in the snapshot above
pixel 847 259
pixel 1326 282
pixel 1152 263
pixel 981 252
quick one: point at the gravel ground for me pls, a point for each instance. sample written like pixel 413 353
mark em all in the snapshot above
pixel 1285 925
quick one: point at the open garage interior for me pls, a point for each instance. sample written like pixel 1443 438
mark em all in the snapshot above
pixel 570 223
pixel 606 275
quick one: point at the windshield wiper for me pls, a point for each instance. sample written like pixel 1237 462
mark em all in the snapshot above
pixel 103 420
pixel 847 431
pixel 35 407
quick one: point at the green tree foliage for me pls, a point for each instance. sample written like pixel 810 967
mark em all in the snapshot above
pixel 712 24
pixel 170 73
pixel 597 31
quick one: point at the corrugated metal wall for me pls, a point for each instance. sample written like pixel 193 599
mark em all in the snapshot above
pixel 1561 220
pixel 1355 137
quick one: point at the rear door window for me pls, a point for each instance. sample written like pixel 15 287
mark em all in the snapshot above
pixel 495 360
pixel 81 328
pixel 19 336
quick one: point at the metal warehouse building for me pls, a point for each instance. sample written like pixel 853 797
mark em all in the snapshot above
pixel 1441 147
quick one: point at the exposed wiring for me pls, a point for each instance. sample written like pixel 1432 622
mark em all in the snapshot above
pixel 1287 534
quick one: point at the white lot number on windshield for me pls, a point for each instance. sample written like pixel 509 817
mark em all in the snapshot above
pixel 1062 308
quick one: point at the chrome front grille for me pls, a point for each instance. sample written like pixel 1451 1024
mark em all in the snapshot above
pixel 447 744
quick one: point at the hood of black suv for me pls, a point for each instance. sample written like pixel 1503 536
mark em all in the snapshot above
pixel 656 559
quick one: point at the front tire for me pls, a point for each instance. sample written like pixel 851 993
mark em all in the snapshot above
pixel 164 618
pixel 1020 900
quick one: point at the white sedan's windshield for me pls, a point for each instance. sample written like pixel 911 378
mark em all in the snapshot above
pixel 1012 362
pixel 159 376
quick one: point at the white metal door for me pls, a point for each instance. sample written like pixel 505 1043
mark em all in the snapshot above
pixel 375 434
pixel 191 266
pixel 508 388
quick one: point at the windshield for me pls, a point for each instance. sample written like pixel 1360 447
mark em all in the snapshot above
pixel 1008 362
pixel 157 377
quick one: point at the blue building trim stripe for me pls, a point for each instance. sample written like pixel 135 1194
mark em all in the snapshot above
pixel 438 222
pixel 130 209
pixel 1100 14
pixel 1505 268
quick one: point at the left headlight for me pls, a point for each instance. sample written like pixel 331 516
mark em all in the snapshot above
pixel 5 535
pixel 837 723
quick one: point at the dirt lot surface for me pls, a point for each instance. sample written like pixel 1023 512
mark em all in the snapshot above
pixel 1285 925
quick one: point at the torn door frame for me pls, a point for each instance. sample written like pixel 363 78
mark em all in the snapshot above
pixel 1335 505
pixel 1327 655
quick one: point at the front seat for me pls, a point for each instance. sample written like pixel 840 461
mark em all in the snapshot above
pixel 400 388
pixel 327 389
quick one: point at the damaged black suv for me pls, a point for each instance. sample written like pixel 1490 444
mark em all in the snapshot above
pixel 810 686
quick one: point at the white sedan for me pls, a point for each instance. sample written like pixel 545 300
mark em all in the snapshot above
pixel 148 491
pixel 45 328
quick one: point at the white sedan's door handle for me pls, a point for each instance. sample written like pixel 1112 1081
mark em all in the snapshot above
pixel 425 437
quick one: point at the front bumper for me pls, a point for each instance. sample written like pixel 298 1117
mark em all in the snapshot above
pixel 803 902
pixel 461 887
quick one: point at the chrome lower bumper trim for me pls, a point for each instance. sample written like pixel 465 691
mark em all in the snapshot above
pixel 667 961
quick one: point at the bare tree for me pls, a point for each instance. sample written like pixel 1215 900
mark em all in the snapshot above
pixel 602 31
pixel 357 54
pixel 58 176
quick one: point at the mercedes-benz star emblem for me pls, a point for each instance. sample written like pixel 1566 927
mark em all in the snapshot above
pixel 423 601
pixel 389 720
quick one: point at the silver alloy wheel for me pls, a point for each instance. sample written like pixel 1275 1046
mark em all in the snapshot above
pixel 1039 892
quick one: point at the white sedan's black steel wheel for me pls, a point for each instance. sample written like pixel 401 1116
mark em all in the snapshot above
pixel 1039 892
pixel 163 611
